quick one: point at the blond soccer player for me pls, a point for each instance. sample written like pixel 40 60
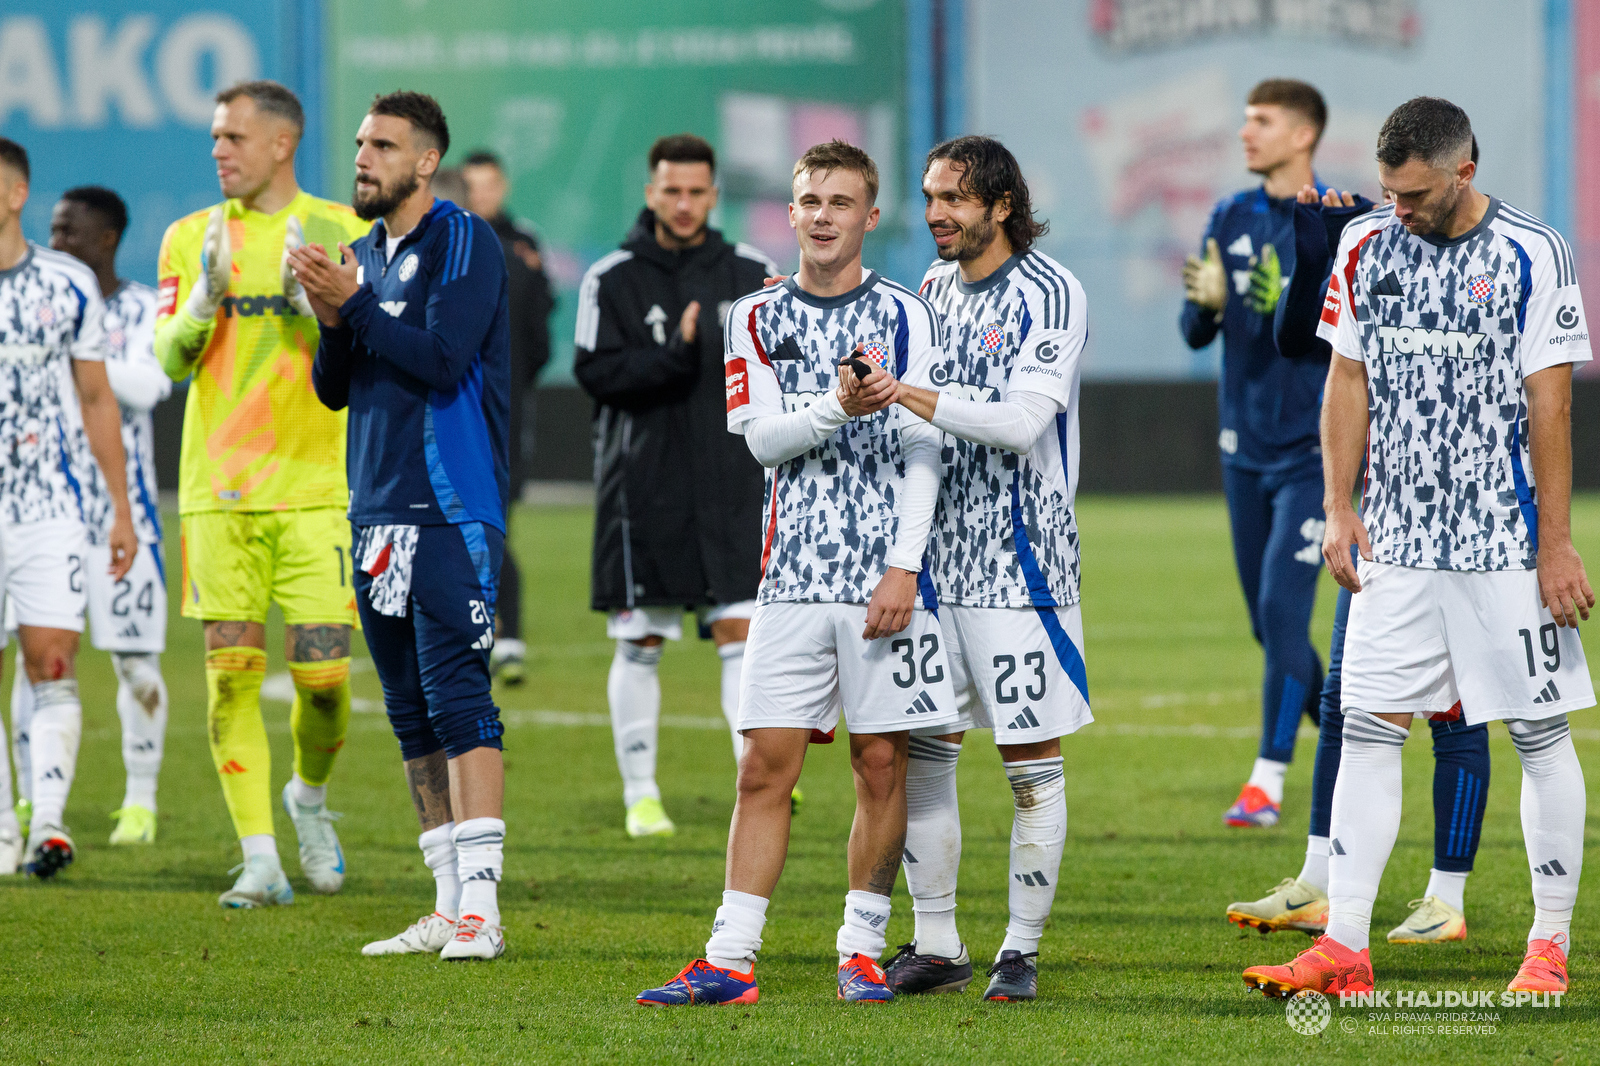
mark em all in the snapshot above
pixel 262 490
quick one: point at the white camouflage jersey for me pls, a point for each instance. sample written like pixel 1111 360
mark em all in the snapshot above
pixel 831 517
pixel 50 314
pixel 1448 331
pixel 139 382
pixel 1005 534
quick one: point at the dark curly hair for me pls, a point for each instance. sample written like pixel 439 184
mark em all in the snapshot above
pixel 1427 128
pixel 990 173
pixel 419 109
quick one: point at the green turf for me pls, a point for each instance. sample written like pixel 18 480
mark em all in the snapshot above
pixel 126 957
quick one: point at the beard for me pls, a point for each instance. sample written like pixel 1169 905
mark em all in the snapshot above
pixel 971 243
pixel 380 201
pixel 1439 212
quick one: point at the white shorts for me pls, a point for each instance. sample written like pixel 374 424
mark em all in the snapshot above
pixel 1419 640
pixel 130 615
pixel 1018 671
pixel 667 622
pixel 805 662
pixel 45 573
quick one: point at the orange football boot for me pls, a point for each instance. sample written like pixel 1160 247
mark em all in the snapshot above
pixel 1327 966
pixel 1544 967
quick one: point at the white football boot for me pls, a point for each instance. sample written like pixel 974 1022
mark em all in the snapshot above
pixel 10 855
pixel 262 884
pixel 424 936
pixel 321 858
pixel 475 939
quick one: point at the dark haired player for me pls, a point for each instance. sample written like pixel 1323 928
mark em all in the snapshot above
pixel 1267 405
pixel 1004 555
pixel 415 332
pixel 678 499
pixel 1455 320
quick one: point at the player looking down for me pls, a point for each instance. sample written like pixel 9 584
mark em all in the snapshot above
pixel 261 481
pixel 1267 406
pixel 1004 557
pixel 52 329
pixel 1455 320
pixel 852 486
pixel 415 342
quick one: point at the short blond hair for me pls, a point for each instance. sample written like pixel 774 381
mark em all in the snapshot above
pixel 840 155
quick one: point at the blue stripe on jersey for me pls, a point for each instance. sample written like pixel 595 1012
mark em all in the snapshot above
pixel 443 491
pixel 1061 435
pixel 482 562
pixel 902 339
pixel 1044 604
pixel 930 595
pixel 458 452
pixel 1027 325
pixel 66 468
pixel 1530 510
pixel 150 510
pixel 1525 277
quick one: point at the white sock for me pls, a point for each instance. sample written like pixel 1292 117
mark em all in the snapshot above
pixel 1553 809
pixel 736 933
pixel 480 857
pixel 307 795
pixel 439 853
pixel 732 654
pixel 259 844
pixel 21 722
pixel 142 707
pixel 634 692
pixel 1315 870
pixel 54 734
pixel 866 926
pixel 1449 886
pixel 1267 775
pixel 1038 835
pixel 1365 823
pixel 933 844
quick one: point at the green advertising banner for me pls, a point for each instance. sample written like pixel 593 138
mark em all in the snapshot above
pixel 572 95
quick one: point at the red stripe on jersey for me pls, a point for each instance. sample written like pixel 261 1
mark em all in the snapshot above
pixel 1349 286
pixel 169 297
pixel 772 525
pixel 755 338
pixel 736 380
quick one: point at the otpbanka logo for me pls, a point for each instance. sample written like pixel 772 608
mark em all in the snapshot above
pixel 1308 1013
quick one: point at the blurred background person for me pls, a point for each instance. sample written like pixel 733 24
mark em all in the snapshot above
pixel 485 188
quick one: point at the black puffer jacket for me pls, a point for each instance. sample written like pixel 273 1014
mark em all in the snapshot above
pixel 678 499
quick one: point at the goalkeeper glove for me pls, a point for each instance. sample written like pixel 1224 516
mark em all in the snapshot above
pixel 293 291
pixel 1204 282
pixel 1266 283
pixel 216 268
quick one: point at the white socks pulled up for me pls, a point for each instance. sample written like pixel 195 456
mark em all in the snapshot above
pixel 1365 823
pixel 933 844
pixel 1553 810
pixel 54 733
pixel 1038 835
pixel 634 691
pixel 142 708
pixel 480 860
pixel 439 853
pixel 1267 775
pixel 736 933
pixel 866 926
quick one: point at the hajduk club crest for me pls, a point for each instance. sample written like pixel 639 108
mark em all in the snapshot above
pixel 875 353
pixel 991 337
pixel 1480 287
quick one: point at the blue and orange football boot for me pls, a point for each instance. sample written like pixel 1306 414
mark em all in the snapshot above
pixel 862 980
pixel 702 984
pixel 1253 808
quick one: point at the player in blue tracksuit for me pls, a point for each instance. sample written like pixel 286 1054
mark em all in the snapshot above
pixel 1269 408
pixel 415 341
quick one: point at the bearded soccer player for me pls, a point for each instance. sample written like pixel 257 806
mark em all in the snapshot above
pixel 52 329
pixel 1267 405
pixel 1455 320
pixel 262 490
pixel 852 487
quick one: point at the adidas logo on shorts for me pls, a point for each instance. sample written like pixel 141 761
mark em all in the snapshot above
pixel 1548 694
pixel 1025 720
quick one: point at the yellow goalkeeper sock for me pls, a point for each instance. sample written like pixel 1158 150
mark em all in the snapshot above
pixel 319 717
pixel 239 737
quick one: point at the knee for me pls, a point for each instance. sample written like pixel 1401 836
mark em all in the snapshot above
pixel 461 727
pixel 52 659
pixel 763 768
pixel 877 767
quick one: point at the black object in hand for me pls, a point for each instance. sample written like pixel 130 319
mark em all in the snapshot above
pixel 859 366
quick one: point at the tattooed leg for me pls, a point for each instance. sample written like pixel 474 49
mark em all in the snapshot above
pixel 429 780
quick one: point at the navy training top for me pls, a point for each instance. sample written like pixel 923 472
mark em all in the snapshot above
pixel 423 362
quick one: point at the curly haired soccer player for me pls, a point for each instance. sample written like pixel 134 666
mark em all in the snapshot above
pixel 262 489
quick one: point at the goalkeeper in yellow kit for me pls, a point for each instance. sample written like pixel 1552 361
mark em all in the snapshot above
pixel 262 484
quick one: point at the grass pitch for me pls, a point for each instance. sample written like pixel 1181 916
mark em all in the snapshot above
pixel 127 958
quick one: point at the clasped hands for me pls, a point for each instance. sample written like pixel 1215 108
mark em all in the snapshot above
pixel 868 395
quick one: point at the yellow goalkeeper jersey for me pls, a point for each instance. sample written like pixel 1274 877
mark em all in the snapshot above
pixel 255 437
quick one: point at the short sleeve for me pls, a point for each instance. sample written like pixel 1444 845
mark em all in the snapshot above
pixel 1554 328
pixel 1338 323
pixel 751 385
pixel 89 333
pixel 1050 358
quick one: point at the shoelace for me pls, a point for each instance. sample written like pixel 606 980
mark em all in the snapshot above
pixel 1012 963
pixel 468 927
pixel 904 951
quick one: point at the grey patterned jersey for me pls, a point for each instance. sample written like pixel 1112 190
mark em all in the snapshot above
pixel 50 314
pixel 1005 534
pixel 831 513
pixel 139 382
pixel 1448 331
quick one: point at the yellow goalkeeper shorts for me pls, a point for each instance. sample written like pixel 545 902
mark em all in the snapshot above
pixel 237 563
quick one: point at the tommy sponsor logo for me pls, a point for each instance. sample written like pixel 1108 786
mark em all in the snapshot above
pixel 255 306
pixel 736 379
pixel 1414 340
pixel 963 391
pixel 799 401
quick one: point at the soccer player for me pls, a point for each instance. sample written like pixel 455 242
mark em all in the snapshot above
pixel 415 336
pixel 1455 321
pixel 52 328
pixel 1461 751
pixel 678 499
pixel 852 488
pixel 1004 557
pixel 128 618
pixel 1267 406
pixel 487 189
pixel 261 482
